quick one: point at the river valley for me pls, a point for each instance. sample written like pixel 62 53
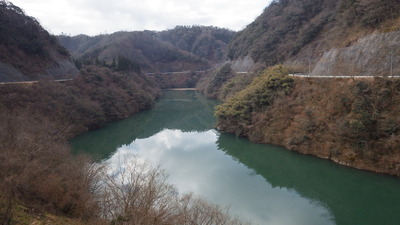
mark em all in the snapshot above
pixel 263 184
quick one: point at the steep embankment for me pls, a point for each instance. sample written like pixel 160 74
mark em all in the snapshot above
pixel 299 32
pixel 352 122
pixel 375 54
pixel 27 51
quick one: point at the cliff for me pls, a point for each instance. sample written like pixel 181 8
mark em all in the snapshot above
pixel 374 55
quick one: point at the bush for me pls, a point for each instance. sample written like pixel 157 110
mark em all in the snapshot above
pixel 219 77
pixel 37 168
pixel 258 96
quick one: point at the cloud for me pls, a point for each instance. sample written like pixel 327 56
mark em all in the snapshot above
pixel 102 16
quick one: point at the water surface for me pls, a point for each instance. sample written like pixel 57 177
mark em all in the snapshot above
pixel 264 184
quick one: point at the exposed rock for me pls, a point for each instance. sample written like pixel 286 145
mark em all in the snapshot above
pixel 9 73
pixel 375 54
pixel 63 68
pixel 243 64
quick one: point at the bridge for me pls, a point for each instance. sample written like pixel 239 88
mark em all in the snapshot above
pixel 186 72
pixel 176 72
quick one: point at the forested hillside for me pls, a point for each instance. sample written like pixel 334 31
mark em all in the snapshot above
pixel 298 32
pixel 317 37
pixel 183 48
pixel 27 51
pixel 205 42
pixel 142 47
pixel 350 121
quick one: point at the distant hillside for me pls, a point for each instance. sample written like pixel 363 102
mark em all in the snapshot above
pixel 27 51
pixel 142 47
pixel 206 42
pixel 182 48
pixel 300 32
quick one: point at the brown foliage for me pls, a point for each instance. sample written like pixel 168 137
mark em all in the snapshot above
pixel 354 122
pixel 96 96
pixel 37 168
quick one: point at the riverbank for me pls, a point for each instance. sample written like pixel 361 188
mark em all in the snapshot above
pixel 351 122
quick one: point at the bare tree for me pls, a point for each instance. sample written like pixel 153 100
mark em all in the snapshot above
pixel 135 193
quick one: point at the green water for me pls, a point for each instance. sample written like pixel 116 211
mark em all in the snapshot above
pixel 264 184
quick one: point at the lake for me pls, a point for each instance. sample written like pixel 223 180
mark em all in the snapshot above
pixel 260 183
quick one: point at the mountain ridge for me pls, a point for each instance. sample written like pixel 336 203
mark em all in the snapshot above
pixel 178 49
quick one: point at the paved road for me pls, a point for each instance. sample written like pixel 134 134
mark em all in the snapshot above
pixel 35 81
pixel 338 77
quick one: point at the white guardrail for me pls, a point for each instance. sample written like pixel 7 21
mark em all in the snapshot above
pixel 338 77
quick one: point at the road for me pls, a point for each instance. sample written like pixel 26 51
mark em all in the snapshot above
pixel 34 81
pixel 338 77
pixel 177 72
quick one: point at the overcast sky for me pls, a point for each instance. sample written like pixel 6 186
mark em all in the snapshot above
pixel 94 17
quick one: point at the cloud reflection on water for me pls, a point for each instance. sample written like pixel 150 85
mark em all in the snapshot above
pixel 195 164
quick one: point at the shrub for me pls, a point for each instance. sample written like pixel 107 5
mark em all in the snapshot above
pixel 260 94
pixel 36 167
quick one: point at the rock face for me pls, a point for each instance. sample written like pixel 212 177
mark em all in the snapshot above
pixel 243 64
pixel 372 55
pixel 8 73
pixel 61 69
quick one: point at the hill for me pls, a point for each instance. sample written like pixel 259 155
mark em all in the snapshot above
pixel 205 42
pixel 350 121
pixel 300 32
pixel 196 48
pixel 27 51
pixel 142 47
pixel 353 122
pixel 182 48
